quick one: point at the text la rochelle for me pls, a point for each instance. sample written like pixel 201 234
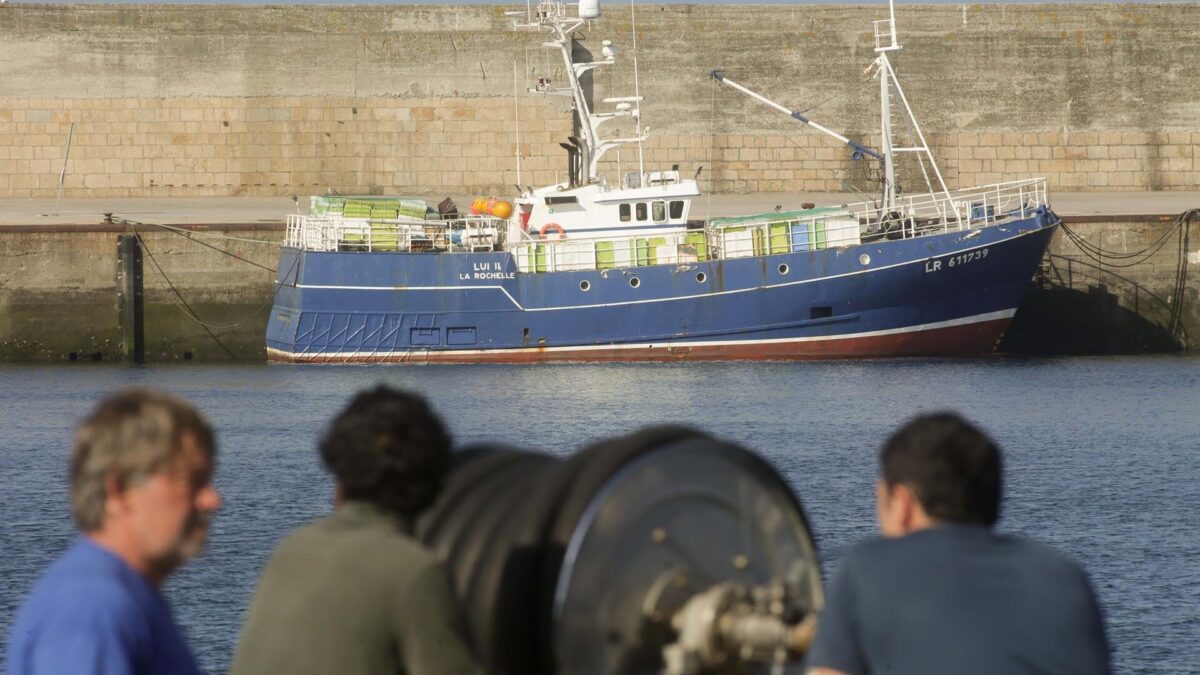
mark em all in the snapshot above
pixel 482 271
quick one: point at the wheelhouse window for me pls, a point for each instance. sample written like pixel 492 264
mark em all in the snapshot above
pixel 659 211
pixel 624 213
pixel 641 210
pixel 676 210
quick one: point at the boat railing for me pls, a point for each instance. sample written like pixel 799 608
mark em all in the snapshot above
pixel 740 239
pixel 782 234
pixel 339 233
pixel 967 208
pixel 885 34
pixel 915 215
pixel 850 225
pixel 613 252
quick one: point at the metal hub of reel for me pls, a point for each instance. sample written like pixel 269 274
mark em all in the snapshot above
pixel 666 551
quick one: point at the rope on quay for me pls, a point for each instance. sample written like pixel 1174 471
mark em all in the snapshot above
pixel 182 302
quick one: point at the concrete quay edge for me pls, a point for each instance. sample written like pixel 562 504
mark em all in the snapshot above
pixel 267 213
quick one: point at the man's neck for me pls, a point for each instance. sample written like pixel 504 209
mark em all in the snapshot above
pixel 122 546
pixel 921 521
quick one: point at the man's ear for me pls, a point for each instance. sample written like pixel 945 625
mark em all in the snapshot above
pixel 906 503
pixel 114 494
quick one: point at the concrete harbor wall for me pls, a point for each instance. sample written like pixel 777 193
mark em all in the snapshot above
pixel 1139 271
pixel 174 100
pixel 58 293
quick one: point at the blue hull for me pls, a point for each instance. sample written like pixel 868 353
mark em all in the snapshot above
pixel 941 294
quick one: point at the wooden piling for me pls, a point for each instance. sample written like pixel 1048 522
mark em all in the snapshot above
pixel 130 300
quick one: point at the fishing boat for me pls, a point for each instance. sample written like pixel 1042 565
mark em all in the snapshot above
pixel 593 270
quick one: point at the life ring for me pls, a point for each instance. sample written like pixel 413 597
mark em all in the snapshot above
pixel 552 227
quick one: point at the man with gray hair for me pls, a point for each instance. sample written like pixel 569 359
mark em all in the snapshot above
pixel 142 494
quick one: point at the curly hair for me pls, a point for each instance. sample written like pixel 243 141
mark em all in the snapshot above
pixel 388 448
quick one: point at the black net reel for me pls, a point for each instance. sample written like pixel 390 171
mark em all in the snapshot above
pixel 665 551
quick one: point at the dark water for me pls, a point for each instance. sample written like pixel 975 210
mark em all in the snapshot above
pixel 1103 459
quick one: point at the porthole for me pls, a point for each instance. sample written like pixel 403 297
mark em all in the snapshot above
pixel 783 268
pixel 585 285
pixel 701 277
pixel 634 282
pixel 864 259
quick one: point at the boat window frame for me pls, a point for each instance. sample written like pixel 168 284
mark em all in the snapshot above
pixel 676 209
pixel 658 211
pixel 626 213
pixel 641 211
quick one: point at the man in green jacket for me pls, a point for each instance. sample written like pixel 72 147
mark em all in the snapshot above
pixel 355 593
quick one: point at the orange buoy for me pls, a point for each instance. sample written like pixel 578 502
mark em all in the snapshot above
pixel 552 227
pixel 502 209
pixel 479 206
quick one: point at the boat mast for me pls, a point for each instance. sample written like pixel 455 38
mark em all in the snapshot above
pixel 637 94
pixel 552 16
pixel 885 42
pixel 885 109
pixel 517 123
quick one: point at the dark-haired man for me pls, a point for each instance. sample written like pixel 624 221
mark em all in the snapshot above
pixel 142 494
pixel 355 593
pixel 942 593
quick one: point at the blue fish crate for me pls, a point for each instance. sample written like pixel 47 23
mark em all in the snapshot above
pixel 980 211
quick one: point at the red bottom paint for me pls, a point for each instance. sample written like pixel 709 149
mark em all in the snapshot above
pixel 964 340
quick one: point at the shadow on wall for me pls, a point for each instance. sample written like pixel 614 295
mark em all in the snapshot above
pixel 1056 320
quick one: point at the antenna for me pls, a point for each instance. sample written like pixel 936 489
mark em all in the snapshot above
pixel 637 93
pixel 517 120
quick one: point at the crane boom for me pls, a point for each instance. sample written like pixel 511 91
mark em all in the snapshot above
pixel 859 149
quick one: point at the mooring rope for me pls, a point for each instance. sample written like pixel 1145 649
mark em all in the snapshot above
pixel 1104 258
pixel 190 235
pixel 182 302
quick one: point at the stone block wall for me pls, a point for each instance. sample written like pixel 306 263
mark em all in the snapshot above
pixel 228 100
pixel 221 146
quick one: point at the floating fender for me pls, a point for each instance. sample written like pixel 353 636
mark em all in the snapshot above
pixel 575 566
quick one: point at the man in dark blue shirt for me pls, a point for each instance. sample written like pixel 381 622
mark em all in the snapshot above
pixel 142 494
pixel 943 593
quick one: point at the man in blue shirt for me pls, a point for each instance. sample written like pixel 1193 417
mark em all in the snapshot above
pixel 943 593
pixel 142 494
